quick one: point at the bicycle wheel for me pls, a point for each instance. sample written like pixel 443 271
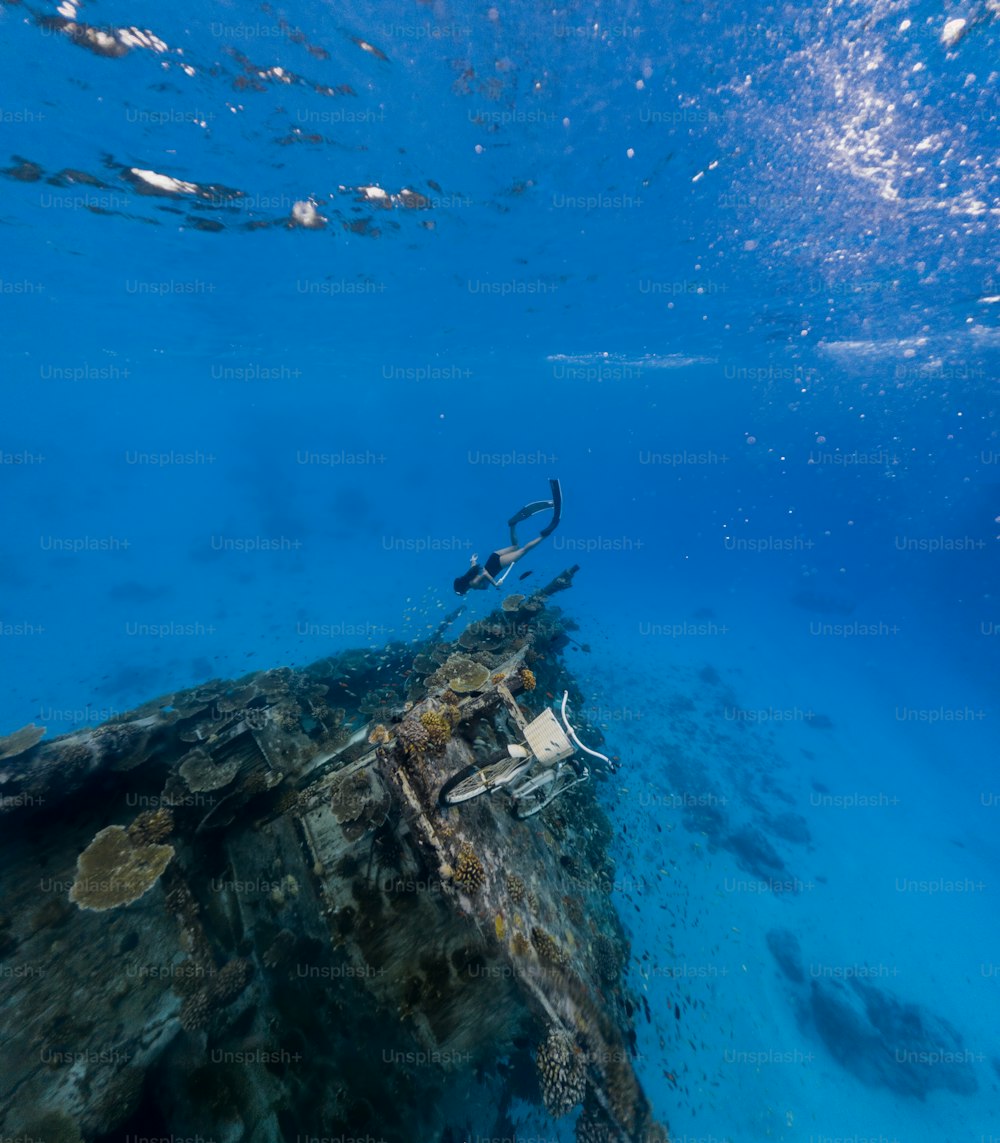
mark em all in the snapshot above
pixel 464 786
pixel 473 781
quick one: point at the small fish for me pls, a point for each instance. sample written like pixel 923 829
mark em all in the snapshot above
pixel 524 575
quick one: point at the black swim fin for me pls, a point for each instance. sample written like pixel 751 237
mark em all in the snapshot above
pixel 556 508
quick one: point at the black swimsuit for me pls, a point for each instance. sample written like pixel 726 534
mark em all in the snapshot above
pixel 492 564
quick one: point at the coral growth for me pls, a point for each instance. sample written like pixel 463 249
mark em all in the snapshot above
pixel 230 981
pixel 195 1011
pixel 607 957
pixel 112 871
pixel 201 774
pixel 593 1126
pixel 527 678
pixel 21 740
pixel 561 1073
pixel 469 871
pixel 515 888
pixel 413 736
pixel 222 989
pixel 379 735
pixel 151 827
pixel 121 744
pixel 548 950
pixel 351 796
pixel 464 674
pixel 483 636
pixel 574 909
pixel 438 729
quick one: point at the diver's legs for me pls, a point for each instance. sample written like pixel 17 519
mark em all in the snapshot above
pixel 509 556
pixel 527 511
pixel 534 508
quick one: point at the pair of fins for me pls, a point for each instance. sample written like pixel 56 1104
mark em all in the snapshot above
pixel 541 506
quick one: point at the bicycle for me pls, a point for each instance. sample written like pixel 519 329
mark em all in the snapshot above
pixel 546 743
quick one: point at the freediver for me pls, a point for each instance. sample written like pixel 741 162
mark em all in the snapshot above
pixel 480 577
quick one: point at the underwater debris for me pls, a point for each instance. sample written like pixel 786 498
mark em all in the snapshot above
pixel 306 215
pixel 348 898
pixel 112 871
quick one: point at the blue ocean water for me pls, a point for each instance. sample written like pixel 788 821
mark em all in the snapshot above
pixel 301 303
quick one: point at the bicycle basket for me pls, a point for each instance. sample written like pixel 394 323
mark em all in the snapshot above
pixel 546 738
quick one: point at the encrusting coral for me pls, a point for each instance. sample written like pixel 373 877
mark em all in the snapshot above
pixel 527 678
pixel 112 871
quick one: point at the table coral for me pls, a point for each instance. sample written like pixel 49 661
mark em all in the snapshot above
pixel 112 871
